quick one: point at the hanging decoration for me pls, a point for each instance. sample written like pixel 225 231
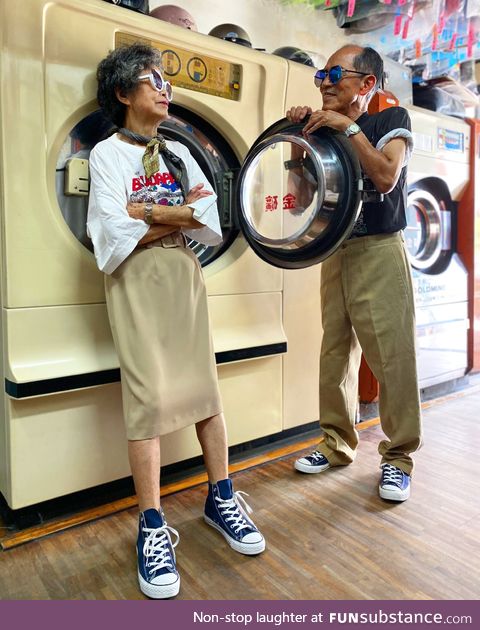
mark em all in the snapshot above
pixel 397 24
pixel 438 33
pixel 434 45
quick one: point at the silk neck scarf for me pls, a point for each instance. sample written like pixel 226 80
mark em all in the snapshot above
pixel 151 161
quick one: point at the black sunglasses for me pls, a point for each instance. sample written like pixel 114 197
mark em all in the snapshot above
pixel 335 74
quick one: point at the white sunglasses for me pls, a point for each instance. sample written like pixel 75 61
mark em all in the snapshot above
pixel 158 82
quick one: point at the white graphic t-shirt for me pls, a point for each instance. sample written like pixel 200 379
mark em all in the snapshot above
pixel 117 177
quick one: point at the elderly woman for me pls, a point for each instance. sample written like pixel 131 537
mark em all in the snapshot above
pixel 146 195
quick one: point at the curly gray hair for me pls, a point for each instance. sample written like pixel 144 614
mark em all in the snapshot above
pixel 119 71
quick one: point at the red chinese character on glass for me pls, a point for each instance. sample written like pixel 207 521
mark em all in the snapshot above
pixel 289 202
pixel 271 203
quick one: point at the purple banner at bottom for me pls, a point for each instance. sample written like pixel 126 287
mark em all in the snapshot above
pixel 213 615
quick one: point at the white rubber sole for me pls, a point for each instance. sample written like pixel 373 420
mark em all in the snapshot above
pixel 307 468
pixel 248 549
pixel 394 495
pixel 159 591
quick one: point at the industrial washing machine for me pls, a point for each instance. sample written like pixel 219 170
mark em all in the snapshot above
pixel 438 175
pixel 61 428
pixel 469 244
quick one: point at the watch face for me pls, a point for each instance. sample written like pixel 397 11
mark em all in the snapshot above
pixel 352 129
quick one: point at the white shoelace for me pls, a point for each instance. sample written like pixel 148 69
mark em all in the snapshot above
pixel 156 547
pixel 316 455
pixel 391 475
pixel 231 509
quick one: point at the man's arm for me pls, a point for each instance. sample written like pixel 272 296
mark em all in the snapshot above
pixel 381 167
pixel 297 184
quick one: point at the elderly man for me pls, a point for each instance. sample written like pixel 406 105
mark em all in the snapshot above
pixel 367 295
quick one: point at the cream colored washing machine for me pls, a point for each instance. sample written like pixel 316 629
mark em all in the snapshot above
pixel 302 319
pixel 438 174
pixel 61 427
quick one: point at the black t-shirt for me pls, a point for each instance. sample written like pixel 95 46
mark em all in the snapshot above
pixel 385 216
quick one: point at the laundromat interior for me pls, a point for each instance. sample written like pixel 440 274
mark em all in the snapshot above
pixel 65 478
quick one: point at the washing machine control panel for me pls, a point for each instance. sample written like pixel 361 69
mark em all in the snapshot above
pixel 187 69
pixel 450 140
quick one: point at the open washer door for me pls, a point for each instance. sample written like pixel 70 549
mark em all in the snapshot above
pixel 297 197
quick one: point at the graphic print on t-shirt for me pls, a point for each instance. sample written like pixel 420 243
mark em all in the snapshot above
pixel 161 189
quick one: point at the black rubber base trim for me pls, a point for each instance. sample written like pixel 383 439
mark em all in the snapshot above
pixel 17 520
pixel 91 379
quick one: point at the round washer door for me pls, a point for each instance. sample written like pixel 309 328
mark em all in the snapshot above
pixel 425 234
pixel 298 197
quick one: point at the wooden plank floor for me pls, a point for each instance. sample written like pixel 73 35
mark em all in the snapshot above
pixel 329 536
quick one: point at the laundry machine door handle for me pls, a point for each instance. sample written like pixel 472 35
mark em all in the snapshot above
pixel 446 233
pixel 225 181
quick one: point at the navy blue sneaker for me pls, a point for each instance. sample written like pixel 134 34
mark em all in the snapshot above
pixel 226 511
pixel 157 573
pixel 313 463
pixel 394 483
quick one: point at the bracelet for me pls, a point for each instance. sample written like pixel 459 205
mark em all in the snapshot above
pixel 148 213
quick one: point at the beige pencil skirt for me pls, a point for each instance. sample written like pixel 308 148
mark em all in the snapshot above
pixel 157 307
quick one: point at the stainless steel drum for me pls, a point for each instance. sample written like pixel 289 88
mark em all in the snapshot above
pixel 298 197
pixel 428 231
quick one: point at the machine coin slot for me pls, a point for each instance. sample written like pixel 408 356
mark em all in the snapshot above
pixel 76 177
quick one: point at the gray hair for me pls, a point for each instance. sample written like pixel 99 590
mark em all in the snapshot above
pixel 369 61
pixel 119 71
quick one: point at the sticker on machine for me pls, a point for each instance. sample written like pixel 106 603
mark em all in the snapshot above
pixel 450 140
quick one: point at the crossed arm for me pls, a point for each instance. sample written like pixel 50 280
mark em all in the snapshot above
pixel 168 219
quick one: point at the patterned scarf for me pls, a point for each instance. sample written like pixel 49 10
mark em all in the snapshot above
pixel 151 161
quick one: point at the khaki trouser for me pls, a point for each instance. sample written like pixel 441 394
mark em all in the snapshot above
pixel 367 303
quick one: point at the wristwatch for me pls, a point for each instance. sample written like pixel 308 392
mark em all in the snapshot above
pixel 148 213
pixel 352 130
